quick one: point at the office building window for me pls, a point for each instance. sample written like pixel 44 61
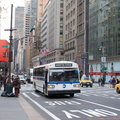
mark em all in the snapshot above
pixel 61 5
pixel 61 32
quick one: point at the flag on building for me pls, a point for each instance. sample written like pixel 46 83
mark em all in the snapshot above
pixel 42 52
pixel 47 50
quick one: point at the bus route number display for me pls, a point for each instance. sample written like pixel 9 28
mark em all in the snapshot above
pixel 63 65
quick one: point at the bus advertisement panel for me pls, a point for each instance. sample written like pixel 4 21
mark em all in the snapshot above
pixel 60 77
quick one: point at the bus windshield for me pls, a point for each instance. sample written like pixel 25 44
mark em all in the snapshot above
pixel 63 75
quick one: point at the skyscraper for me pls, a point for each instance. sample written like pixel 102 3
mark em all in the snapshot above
pixel 104 34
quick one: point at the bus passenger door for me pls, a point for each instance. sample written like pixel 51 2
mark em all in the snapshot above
pixel 45 85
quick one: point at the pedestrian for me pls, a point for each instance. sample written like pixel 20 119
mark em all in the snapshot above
pixel 16 84
pixel 99 81
pixel 113 82
pixel 102 81
pixel 110 82
pixel 4 81
pixel 117 81
pixel 1 80
pixel 12 77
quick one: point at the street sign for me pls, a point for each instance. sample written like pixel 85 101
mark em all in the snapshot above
pixel 5 46
pixel 103 59
pixel 84 56
pixel 104 69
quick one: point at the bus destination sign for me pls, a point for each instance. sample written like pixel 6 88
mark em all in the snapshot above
pixel 63 65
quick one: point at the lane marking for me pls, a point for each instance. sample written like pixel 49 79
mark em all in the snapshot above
pixel 35 95
pixel 105 106
pixel 42 108
pixel 89 113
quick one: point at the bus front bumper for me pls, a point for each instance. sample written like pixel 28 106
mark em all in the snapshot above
pixel 51 92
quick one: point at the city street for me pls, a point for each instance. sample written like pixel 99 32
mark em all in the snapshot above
pixel 97 103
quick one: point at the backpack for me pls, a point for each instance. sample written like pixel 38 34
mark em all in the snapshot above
pixel 4 94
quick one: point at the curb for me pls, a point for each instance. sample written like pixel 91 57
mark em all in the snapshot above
pixel 29 110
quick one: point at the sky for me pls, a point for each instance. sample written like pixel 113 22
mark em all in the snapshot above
pixel 6 16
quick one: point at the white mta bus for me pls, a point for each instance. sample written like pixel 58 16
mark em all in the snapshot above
pixel 60 77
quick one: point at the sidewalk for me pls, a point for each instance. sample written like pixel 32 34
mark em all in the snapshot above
pixel 12 108
pixel 97 85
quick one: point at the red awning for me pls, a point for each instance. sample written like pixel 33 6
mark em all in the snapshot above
pixel 100 73
pixel 95 73
pixel 117 74
pixel 110 74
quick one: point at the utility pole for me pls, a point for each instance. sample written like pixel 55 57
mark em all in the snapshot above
pixel 86 65
pixel 10 46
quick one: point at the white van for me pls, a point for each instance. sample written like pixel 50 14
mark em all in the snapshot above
pixel 31 79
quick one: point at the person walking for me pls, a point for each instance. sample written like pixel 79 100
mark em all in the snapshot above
pixel 113 82
pixel 110 82
pixel 117 81
pixel 16 84
pixel 102 81
pixel 1 80
pixel 5 79
pixel 99 81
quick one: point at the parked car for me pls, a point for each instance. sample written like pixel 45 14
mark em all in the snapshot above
pixel 117 88
pixel 22 79
pixel 85 81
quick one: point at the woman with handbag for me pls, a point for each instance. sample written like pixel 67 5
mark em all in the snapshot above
pixel 16 84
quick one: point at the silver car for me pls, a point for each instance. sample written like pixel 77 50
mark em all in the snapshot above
pixel 22 79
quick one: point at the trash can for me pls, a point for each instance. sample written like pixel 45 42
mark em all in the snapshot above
pixel 9 88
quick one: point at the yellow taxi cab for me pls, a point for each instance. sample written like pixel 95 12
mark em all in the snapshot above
pixel 117 88
pixel 85 81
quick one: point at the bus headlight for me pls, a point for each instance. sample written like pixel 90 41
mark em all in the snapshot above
pixel 51 86
pixel 76 85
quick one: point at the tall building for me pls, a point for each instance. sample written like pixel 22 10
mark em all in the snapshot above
pixel 70 29
pixel 18 34
pixel 54 32
pixel 35 32
pixel 80 33
pixel 40 8
pixel 44 34
pixel 104 41
pixel 19 22
pixel 33 12
pixel 27 21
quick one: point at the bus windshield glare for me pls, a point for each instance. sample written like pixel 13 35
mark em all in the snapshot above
pixel 63 75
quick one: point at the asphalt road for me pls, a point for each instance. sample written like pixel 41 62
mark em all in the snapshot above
pixel 96 103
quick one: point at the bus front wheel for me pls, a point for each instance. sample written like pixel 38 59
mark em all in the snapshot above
pixel 72 95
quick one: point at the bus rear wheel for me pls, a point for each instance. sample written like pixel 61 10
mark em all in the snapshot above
pixel 72 95
pixel 35 88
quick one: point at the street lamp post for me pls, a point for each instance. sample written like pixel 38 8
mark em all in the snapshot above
pixel 10 46
pixel 86 43
pixel 103 60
